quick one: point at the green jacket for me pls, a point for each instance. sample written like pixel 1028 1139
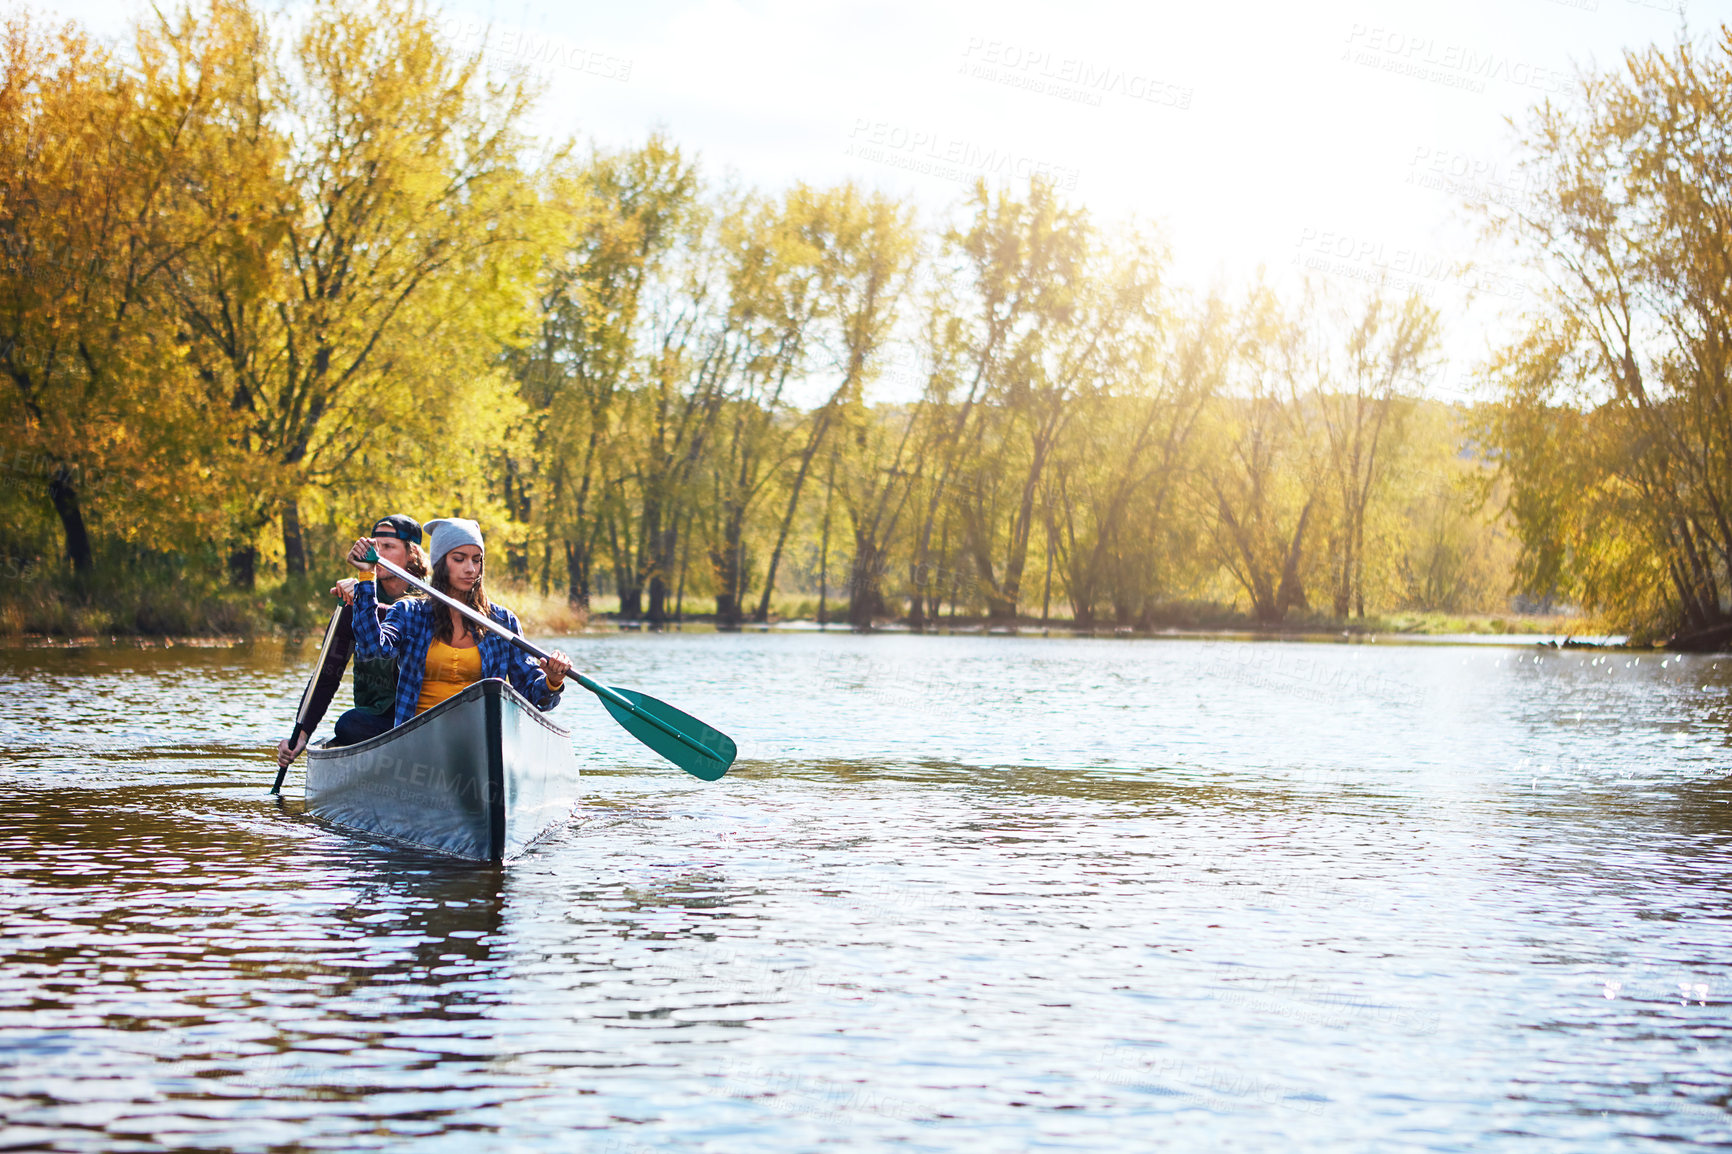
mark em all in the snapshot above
pixel 376 685
pixel 375 680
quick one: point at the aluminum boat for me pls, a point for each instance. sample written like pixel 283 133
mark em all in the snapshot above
pixel 480 776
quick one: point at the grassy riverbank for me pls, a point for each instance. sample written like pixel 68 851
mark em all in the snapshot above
pixel 147 607
pixel 154 606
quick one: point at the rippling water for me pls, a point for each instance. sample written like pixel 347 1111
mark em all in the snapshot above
pixel 961 893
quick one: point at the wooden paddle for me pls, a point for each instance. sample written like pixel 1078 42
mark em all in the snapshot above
pixel 301 725
pixel 696 748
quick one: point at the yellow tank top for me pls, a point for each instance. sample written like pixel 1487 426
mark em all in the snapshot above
pixel 448 672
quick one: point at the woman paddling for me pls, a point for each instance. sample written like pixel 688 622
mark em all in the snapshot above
pixel 438 652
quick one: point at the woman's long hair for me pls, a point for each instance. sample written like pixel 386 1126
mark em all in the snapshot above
pixel 476 599
pixel 417 566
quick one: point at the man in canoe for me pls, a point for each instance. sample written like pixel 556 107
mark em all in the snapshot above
pixel 437 651
pixel 398 540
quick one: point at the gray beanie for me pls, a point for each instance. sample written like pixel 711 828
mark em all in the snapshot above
pixel 449 532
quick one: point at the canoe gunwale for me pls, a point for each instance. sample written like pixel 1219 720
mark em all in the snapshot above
pixel 469 693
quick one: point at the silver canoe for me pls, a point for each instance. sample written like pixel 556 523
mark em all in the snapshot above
pixel 479 776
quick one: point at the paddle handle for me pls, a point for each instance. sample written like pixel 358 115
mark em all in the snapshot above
pixel 602 691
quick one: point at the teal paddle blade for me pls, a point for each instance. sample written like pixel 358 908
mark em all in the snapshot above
pixel 715 750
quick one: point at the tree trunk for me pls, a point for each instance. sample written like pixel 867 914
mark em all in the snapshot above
pixel 649 553
pixel 1046 586
pixel 729 567
pixel 1359 581
pixel 821 424
pixel 685 557
pixel 577 575
pixel 1343 599
pixel 1083 575
pixel 923 557
pixel 977 541
pixel 1701 570
pixel 923 606
pixel 294 545
pixel 64 494
pixel 727 587
pixel 865 601
pixel 1358 562
pixel 1021 528
pixel 243 567
pixel 665 547
pixel 823 546
pixel 1291 594
pixel 625 574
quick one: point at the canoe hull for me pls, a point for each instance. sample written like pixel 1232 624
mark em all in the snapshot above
pixel 481 776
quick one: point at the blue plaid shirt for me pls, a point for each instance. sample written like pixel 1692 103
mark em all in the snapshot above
pixel 407 634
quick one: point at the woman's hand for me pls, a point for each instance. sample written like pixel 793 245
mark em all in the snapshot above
pixel 358 553
pixel 556 667
pixel 345 589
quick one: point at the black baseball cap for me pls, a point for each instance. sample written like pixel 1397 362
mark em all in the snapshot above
pixel 397 525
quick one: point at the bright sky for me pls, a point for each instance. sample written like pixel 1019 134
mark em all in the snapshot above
pixel 1335 135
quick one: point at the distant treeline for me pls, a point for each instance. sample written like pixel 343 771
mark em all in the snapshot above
pixel 261 283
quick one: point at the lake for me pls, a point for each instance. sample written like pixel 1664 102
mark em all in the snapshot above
pixel 960 893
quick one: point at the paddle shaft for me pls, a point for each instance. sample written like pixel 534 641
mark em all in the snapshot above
pixel 529 647
pixel 301 725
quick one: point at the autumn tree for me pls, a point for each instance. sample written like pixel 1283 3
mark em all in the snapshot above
pixel 385 234
pixel 93 158
pixel 1030 340
pixel 1358 366
pixel 863 248
pixel 1615 429
pixel 618 216
pixel 1259 485
pixel 774 302
pixel 1120 476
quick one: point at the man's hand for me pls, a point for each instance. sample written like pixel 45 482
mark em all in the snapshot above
pixel 345 589
pixel 286 755
pixel 556 667
pixel 358 553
